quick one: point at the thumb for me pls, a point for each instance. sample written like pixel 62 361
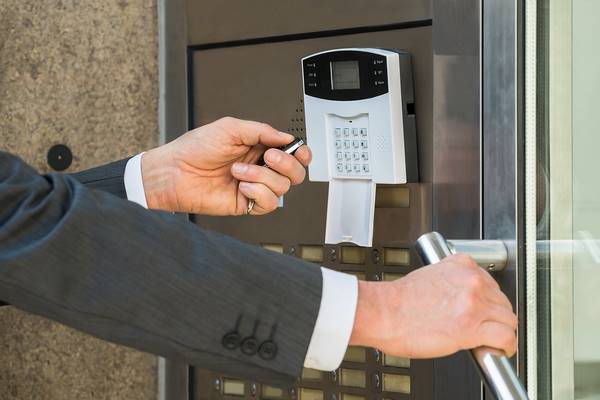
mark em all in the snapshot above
pixel 251 133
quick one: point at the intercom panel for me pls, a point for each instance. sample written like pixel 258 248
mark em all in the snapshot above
pixel 264 81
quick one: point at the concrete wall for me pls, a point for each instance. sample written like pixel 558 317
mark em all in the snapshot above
pixel 81 73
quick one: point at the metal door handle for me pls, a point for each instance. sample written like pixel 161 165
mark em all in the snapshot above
pixel 494 367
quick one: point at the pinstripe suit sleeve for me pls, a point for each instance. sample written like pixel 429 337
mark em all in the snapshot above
pixel 151 281
pixel 108 178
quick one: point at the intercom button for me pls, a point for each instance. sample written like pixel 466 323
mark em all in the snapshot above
pixel 347 144
pixel 340 167
pixel 354 131
pixel 346 132
pixel 355 143
pixel 356 156
pixel 339 156
pixel 338 144
pixel 363 144
pixel 365 156
pixel 338 132
pixel 363 132
pixel 365 168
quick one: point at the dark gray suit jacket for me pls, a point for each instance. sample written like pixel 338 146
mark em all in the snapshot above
pixel 149 280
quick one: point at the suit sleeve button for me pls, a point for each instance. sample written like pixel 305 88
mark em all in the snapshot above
pixel 249 346
pixel 231 340
pixel 267 350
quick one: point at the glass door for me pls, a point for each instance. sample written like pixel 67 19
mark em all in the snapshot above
pixel 562 104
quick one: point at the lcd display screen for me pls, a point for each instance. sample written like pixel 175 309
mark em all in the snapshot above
pixel 345 75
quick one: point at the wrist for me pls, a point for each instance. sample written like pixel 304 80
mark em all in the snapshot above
pixel 158 179
pixel 369 310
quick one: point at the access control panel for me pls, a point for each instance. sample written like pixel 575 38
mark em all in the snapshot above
pixel 359 106
pixel 360 125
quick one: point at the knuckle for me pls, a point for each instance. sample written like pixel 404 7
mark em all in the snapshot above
pixel 514 322
pixel 508 340
pixel 465 260
pixel 475 282
pixel 228 120
pixel 266 126
pixel 469 309
pixel 300 177
pixel 460 258
pixel 272 204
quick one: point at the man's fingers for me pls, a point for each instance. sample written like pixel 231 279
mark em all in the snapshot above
pixel 251 133
pixel 304 155
pixel 286 164
pixel 498 336
pixel 265 200
pixel 277 183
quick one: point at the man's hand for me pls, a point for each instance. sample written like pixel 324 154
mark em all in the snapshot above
pixel 435 311
pixel 211 170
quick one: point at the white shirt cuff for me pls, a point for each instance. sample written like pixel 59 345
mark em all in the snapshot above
pixel 335 321
pixel 134 184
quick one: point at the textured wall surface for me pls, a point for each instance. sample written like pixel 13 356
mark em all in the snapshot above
pixel 81 73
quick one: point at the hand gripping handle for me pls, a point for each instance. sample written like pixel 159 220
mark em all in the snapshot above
pixel 494 367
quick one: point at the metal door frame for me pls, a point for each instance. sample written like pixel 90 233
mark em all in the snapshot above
pixel 479 150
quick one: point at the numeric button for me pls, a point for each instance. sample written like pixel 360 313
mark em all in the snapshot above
pixel 363 132
pixel 338 132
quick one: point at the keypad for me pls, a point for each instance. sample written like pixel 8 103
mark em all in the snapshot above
pixel 351 151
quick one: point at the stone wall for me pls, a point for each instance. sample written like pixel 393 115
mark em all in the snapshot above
pixel 81 73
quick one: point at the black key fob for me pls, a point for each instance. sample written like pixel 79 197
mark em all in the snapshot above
pixel 288 148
